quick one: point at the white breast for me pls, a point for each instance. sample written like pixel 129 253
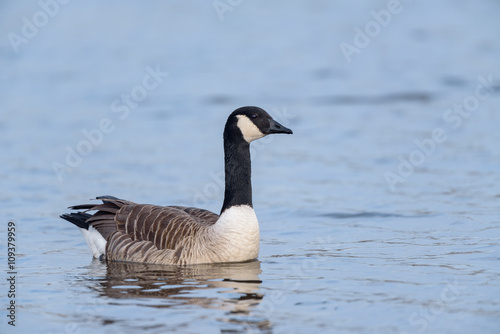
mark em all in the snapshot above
pixel 238 230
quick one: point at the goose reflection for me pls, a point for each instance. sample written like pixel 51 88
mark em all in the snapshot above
pixel 232 287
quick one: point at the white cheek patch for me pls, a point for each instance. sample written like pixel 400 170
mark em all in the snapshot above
pixel 249 130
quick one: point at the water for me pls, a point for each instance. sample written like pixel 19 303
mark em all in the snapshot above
pixel 378 215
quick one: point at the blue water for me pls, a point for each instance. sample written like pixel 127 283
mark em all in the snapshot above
pixel 380 214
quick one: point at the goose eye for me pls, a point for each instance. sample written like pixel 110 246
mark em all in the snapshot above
pixel 253 116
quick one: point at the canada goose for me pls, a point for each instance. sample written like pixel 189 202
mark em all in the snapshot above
pixel 121 230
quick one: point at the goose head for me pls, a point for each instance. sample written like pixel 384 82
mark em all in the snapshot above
pixel 252 123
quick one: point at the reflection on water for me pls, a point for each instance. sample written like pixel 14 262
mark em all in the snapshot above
pixel 235 287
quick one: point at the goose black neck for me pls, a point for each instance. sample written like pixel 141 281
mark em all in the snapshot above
pixel 238 189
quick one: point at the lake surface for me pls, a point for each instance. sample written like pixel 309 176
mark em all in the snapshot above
pixel 380 214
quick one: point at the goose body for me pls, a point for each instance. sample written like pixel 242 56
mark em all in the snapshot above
pixel 121 230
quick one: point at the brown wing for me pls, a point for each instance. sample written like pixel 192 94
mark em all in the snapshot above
pixel 146 233
pixel 164 226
